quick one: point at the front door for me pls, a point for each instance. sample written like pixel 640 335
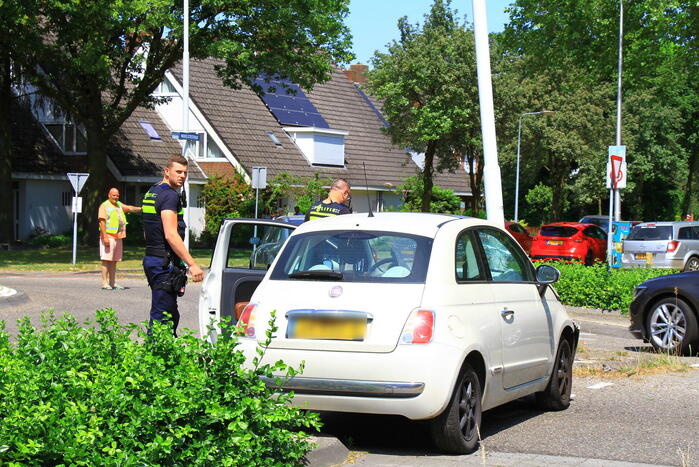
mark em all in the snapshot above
pixel 244 250
pixel 526 326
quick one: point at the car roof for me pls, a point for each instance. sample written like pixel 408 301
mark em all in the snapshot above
pixel 418 223
pixel 577 225
pixel 662 223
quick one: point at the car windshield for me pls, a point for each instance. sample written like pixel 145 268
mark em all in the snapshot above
pixel 557 231
pixel 355 256
pixel 651 233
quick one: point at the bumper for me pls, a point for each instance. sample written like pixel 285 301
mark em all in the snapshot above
pixel 414 381
pixel 629 262
pixel 560 258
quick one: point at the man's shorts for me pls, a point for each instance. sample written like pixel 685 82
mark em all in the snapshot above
pixel 112 252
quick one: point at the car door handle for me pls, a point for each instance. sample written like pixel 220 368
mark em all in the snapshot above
pixel 507 313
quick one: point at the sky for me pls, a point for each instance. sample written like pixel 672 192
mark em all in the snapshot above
pixel 374 23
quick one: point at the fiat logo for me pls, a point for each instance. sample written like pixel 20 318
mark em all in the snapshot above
pixel 336 291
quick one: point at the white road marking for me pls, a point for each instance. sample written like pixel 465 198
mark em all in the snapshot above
pixel 600 385
pixel 694 365
pixel 586 334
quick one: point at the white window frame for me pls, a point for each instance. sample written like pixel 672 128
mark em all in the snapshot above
pixel 61 144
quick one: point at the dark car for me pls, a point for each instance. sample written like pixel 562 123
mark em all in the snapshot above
pixel 664 312
pixel 570 241
pixel 521 235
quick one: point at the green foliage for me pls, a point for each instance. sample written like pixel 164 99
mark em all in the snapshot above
pixel 428 88
pixel 304 190
pixel 226 197
pixel 50 241
pixel 134 229
pixel 539 201
pixel 443 200
pixel 595 287
pixel 74 395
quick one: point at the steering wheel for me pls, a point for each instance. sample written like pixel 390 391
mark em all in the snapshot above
pixel 380 263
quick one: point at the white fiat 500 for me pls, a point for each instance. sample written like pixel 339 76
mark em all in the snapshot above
pixel 428 316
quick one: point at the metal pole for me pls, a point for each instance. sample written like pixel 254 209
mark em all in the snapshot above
pixel 519 137
pixel 491 169
pixel 617 193
pixel 75 233
pixel 185 112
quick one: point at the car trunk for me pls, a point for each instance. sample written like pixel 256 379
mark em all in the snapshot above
pixel 647 243
pixel 337 306
pixel 557 240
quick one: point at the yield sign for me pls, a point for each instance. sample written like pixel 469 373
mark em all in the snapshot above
pixel 77 180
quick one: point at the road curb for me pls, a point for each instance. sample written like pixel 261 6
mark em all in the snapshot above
pixel 329 451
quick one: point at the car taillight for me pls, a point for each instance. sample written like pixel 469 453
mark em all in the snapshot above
pixel 246 323
pixel 672 246
pixel 419 328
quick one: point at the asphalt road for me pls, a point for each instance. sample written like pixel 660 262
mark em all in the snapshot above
pixel 652 420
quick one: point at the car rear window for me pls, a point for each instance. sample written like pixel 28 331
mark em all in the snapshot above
pixel 650 233
pixel 557 231
pixel 355 256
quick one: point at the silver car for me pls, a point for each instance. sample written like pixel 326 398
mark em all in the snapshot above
pixel 665 245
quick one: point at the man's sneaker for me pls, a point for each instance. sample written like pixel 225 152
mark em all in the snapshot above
pixel 118 287
pixel 106 287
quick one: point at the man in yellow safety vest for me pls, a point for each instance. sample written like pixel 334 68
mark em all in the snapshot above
pixel 112 232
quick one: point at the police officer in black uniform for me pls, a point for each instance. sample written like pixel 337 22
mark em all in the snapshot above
pixel 166 254
pixel 335 204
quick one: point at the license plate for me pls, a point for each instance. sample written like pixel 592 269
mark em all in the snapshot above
pixel 334 329
pixel 643 256
pixel 554 242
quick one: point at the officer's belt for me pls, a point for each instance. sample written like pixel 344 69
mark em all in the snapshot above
pixel 159 252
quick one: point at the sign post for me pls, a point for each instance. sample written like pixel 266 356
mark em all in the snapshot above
pixel 78 181
pixel 186 136
pixel 259 181
pixel 616 180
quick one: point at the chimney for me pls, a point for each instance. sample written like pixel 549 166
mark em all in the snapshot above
pixel 357 73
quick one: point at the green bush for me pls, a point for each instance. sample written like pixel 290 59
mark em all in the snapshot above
pixel 50 241
pixel 595 287
pixel 91 395
pixel 443 200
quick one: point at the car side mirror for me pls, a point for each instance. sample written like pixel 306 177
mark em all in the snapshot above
pixel 545 275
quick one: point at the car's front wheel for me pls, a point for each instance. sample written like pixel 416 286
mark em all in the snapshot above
pixel 457 429
pixel 556 396
pixel 671 326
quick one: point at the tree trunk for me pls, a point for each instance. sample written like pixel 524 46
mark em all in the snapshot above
pixel 6 220
pixel 95 189
pixel 693 167
pixel 427 174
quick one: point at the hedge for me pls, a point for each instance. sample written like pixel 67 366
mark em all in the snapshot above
pixel 94 395
pixel 596 287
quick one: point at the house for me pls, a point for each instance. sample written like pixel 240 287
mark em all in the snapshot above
pixel 334 130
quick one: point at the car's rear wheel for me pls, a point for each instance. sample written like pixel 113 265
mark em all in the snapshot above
pixel 589 258
pixel 457 429
pixel 692 264
pixel 671 326
pixel 556 396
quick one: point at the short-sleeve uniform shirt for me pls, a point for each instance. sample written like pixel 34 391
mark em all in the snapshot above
pixel 321 210
pixel 160 198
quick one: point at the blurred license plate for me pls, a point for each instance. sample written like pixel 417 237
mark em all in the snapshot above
pixel 643 255
pixel 318 328
pixel 554 242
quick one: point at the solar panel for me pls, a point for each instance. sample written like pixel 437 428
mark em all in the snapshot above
pixel 289 105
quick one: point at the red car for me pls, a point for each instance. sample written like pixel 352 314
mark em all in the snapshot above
pixel 521 235
pixel 570 241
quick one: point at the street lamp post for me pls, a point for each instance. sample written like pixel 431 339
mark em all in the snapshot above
pixel 519 138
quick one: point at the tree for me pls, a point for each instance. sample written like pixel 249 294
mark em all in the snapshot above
pixel 427 83
pixel 99 60
pixel 443 200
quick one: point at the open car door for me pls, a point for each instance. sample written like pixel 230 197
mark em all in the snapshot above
pixel 245 248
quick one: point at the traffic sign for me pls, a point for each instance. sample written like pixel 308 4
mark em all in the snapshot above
pixel 259 177
pixel 189 136
pixel 616 168
pixel 77 180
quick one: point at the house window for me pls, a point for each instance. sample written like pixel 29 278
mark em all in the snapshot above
pixel 205 148
pixel 165 88
pixel 68 136
pixel 66 198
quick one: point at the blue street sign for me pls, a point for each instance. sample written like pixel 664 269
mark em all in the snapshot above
pixel 186 135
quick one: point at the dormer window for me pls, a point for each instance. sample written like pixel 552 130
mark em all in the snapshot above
pixel 321 146
pixel 69 137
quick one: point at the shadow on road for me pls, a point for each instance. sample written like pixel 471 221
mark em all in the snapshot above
pixel 389 434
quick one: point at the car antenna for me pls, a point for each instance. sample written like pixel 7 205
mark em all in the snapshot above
pixel 371 214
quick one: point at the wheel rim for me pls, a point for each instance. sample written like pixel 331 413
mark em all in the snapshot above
pixel 667 326
pixel 467 410
pixel 563 375
pixel 693 265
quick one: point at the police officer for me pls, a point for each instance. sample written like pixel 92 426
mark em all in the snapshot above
pixel 163 228
pixel 335 204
